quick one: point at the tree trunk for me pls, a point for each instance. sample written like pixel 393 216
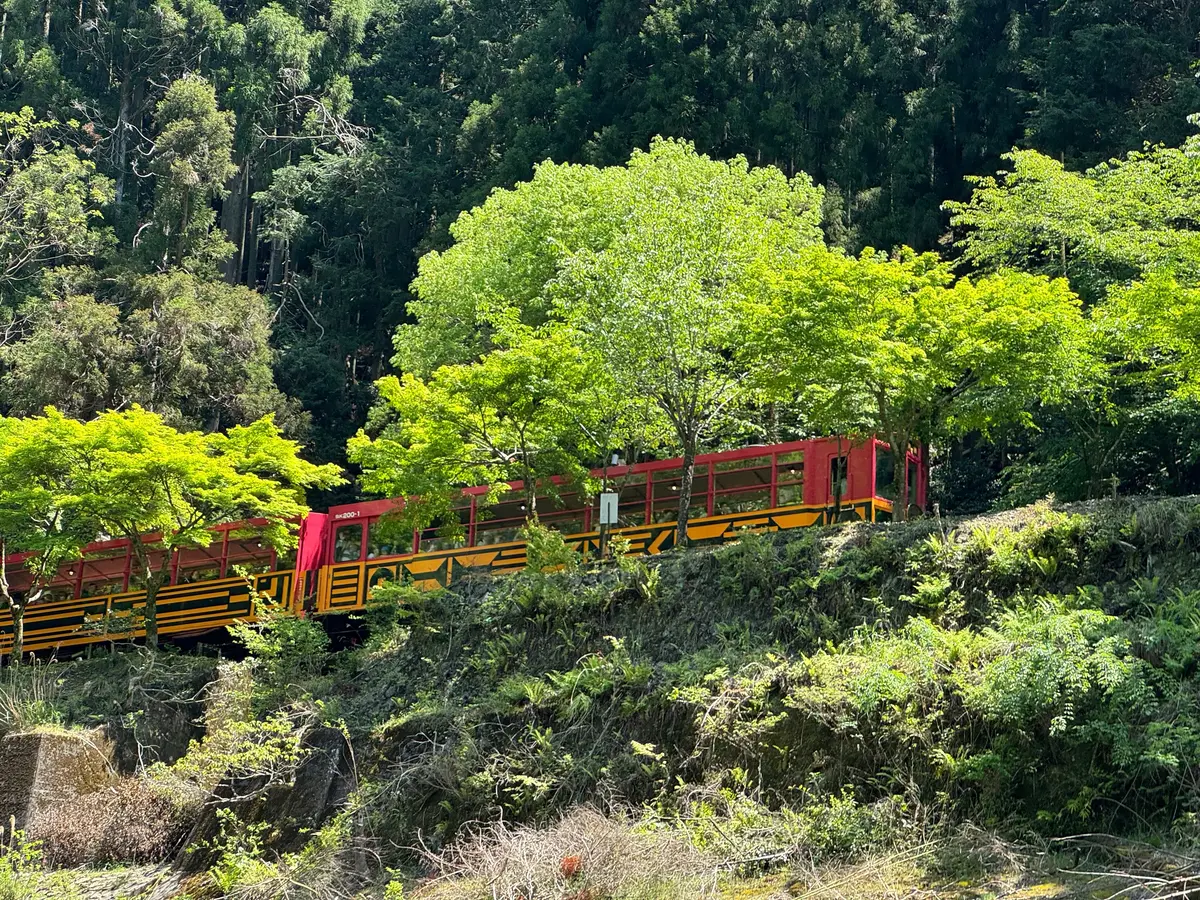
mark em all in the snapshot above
pixel 251 251
pixel 150 613
pixel 153 583
pixel 900 461
pixel 121 154
pixel 14 657
pixel 18 636
pixel 233 221
pixel 685 493
pixel 839 474
pixel 274 267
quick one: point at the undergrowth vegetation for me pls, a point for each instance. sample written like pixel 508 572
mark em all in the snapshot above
pixel 653 727
pixel 808 692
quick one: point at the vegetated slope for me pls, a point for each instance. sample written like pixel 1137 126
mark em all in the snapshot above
pixel 1032 669
pixel 783 699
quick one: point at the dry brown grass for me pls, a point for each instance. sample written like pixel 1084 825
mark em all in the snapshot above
pixel 127 821
pixel 607 859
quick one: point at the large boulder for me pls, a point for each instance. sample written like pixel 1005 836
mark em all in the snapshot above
pixel 323 783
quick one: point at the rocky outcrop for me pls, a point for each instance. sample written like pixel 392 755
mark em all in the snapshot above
pixel 43 769
pixel 323 783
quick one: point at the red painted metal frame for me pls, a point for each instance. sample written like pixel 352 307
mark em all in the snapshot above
pixel 318 531
pixel 77 569
pixel 817 484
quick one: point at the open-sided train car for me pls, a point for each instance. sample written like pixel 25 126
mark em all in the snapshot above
pixel 343 553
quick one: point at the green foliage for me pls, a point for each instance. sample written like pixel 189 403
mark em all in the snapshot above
pixel 240 863
pixel 30 698
pixel 586 309
pixel 547 551
pixel 511 416
pixel 192 161
pixel 236 745
pixel 897 347
pixel 50 202
pixel 338 142
pixel 290 651
pixel 816 692
pixel 133 476
pixel 1123 233
pixel 22 876
pixel 38 511
pixel 193 350
pixel 659 298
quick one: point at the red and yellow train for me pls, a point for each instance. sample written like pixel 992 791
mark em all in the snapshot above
pixel 344 552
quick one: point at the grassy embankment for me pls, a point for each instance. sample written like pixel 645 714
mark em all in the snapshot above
pixel 757 719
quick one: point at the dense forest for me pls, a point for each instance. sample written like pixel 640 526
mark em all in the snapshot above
pixel 216 210
pixel 260 257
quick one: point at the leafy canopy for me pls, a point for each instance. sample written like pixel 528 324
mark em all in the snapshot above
pixel 1126 233
pixel 50 203
pixel 897 346
pixel 519 413
pixel 194 350
pixel 643 267
pixel 137 476
pixel 40 517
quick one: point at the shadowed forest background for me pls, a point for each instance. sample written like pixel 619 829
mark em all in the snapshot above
pixel 309 153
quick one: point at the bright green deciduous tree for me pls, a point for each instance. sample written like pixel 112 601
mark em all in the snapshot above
pixel 162 489
pixel 661 303
pixel 648 264
pixel 1106 226
pixel 1127 236
pixel 39 516
pixel 519 413
pixel 897 347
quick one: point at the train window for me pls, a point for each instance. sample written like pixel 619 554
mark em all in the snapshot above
pixel 102 569
pixel 912 487
pixel 448 532
pixel 196 563
pixel 62 587
pixel 665 499
pixel 565 514
pixel 742 485
pixel 56 592
pixel 885 474
pixel 249 553
pixel 501 522
pixel 347 543
pixel 198 573
pixel 789 474
pixel 386 538
pixel 102 588
pixel 157 558
pixel 839 477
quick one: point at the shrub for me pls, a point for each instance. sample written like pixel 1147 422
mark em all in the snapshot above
pixel 546 550
pixel 329 868
pixel 289 652
pixel 583 854
pixel 129 821
pixel 22 876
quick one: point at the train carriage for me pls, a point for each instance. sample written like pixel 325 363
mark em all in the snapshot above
pixel 343 553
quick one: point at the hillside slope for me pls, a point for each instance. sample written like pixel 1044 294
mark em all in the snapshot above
pixel 786 699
